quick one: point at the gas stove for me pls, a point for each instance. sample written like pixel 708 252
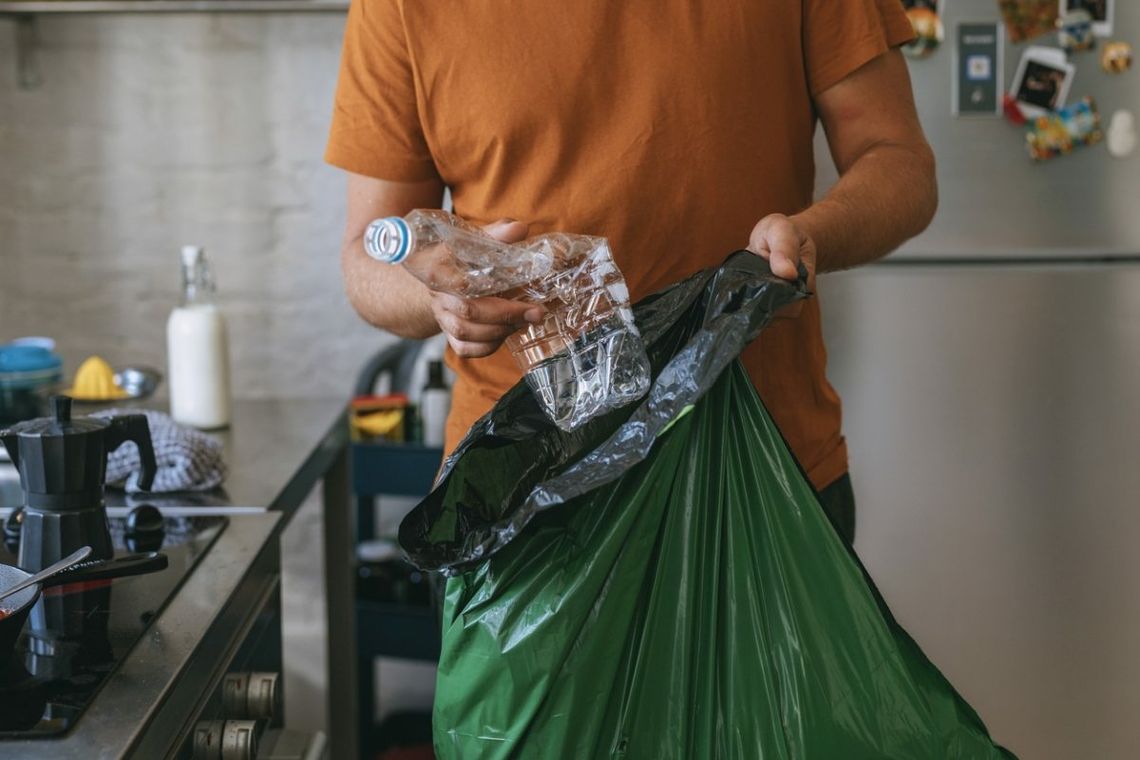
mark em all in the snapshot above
pixel 78 634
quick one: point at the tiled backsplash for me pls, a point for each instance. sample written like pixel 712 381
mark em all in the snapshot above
pixel 151 131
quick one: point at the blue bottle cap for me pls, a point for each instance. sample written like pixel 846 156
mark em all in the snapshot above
pixel 388 240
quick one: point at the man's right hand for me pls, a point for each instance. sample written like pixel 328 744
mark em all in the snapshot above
pixel 476 327
pixel 392 299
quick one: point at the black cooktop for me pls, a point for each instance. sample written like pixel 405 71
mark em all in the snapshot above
pixel 77 635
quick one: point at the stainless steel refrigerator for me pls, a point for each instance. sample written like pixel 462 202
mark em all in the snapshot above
pixel 991 378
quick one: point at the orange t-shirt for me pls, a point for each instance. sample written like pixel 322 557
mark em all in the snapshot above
pixel 668 126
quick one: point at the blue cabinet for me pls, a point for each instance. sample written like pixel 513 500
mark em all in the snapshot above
pixel 386 627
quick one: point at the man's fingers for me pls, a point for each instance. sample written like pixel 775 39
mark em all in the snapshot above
pixel 779 241
pixel 472 350
pixel 476 327
pixel 783 265
pixel 473 331
pixel 784 243
pixel 507 230
pixel 489 310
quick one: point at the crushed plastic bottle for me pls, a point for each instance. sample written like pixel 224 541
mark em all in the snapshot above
pixel 586 357
pixel 448 254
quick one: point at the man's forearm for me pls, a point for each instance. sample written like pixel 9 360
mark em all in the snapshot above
pixel 887 196
pixel 387 296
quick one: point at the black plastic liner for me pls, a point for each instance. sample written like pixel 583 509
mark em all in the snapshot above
pixel 514 463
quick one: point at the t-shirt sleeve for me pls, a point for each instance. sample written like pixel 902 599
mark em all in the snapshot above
pixel 376 129
pixel 840 36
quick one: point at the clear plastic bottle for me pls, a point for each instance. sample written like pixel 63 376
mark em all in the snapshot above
pixel 586 357
pixel 198 350
pixel 448 254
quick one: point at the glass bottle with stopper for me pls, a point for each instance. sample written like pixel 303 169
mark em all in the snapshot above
pixel 198 349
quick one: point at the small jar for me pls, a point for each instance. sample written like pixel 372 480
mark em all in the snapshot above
pixel 29 374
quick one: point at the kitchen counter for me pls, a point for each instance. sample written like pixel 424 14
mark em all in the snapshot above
pixel 277 451
pixel 155 692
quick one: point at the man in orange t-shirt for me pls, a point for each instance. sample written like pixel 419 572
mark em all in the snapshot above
pixel 679 130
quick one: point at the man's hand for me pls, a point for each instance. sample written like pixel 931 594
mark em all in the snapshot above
pixel 786 245
pixel 476 327
pixel 886 192
pixel 391 298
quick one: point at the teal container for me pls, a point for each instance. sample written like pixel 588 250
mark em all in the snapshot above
pixel 30 372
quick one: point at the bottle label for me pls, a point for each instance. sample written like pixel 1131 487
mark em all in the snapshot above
pixel 388 239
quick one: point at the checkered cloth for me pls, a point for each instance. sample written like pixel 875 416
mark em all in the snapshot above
pixel 187 459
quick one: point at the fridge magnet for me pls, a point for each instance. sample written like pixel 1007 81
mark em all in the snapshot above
pixel 1100 10
pixel 1122 138
pixel 1075 31
pixel 1116 58
pixel 1012 111
pixel 925 16
pixel 1042 81
pixel 979 79
pixel 1056 134
pixel 1026 19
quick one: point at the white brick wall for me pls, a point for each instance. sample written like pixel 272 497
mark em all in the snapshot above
pixel 152 131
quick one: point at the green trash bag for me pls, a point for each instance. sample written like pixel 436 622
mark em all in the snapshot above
pixel 664 583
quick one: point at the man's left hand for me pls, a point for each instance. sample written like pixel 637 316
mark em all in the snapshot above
pixel 785 244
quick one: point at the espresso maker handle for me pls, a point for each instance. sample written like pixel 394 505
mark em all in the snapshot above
pixel 134 427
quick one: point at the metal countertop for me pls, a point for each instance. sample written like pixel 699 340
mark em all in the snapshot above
pixel 277 452
pixel 185 646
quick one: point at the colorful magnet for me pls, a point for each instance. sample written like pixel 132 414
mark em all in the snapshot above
pixel 1026 19
pixel 1056 134
pixel 1075 31
pixel 1042 81
pixel 1101 12
pixel 1122 137
pixel 978 69
pixel 1116 58
pixel 1012 111
pixel 928 29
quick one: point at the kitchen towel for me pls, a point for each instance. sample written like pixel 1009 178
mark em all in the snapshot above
pixel 186 459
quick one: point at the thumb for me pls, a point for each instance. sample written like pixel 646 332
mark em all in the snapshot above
pixel 507 230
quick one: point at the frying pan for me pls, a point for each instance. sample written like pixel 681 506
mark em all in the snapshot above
pixel 19 605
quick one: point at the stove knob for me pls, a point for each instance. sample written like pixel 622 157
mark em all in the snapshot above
pixel 240 738
pixel 145 519
pixel 234 691
pixel 263 696
pixel 251 695
pixel 145 529
pixel 208 739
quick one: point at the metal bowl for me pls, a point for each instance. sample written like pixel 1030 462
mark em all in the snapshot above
pixel 139 382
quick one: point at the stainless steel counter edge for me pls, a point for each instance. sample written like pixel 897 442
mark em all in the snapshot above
pixel 317 464
pixel 186 644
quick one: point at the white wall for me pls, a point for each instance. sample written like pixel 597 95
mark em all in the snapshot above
pixel 150 131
